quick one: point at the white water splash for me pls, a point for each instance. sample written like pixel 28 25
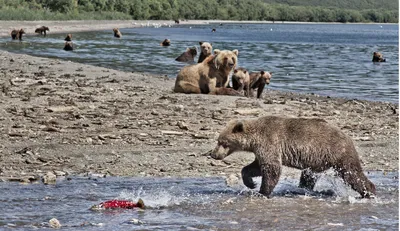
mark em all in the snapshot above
pixel 155 198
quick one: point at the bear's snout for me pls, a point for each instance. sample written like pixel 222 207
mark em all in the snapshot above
pixel 219 152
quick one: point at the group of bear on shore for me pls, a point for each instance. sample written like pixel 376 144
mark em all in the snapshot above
pixel 211 74
pixel 308 144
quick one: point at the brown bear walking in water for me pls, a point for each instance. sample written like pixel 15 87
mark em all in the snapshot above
pixel 117 33
pixel 188 55
pixel 68 38
pixel 308 144
pixel 209 77
pixel 17 34
pixel 241 81
pixel 258 80
pixel 378 57
pixel 206 50
pixel 42 30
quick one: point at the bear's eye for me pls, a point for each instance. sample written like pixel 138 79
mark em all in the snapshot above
pixel 223 144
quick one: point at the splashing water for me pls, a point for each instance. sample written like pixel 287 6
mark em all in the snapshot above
pixel 198 203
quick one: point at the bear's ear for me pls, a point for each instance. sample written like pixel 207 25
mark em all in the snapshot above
pixel 270 73
pixel 236 52
pixel 210 44
pixel 201 43
pixel 238 127
pixel 216 52
pixel 262 72
pixel 235 71
pixel 245 72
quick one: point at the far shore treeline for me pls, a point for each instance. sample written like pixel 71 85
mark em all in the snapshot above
pixel 383 11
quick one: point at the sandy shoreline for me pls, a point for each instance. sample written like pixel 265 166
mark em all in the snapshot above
pixel 72 118
pixel 77 119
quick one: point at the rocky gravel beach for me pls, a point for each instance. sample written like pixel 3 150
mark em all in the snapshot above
pixel 60 118
pixel 64 118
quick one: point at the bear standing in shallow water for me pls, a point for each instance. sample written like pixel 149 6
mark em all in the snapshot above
pixel 308 144
pixel 17 34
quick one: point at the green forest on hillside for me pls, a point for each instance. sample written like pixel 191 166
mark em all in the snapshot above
pixel 269 10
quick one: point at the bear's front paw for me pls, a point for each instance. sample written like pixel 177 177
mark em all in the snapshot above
pixel 249 183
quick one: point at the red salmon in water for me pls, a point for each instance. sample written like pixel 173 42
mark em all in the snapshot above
pixel 118 204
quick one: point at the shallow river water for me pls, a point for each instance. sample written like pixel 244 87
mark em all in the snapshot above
pixel 199 204
pixel 326 59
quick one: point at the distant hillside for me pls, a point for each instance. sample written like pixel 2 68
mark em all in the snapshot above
pixel 379 11
pixel 342 4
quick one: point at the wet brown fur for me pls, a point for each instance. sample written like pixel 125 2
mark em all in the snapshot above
pixel 308 144
pixel 205 51
pixel 203 78
pixel 188 55
pixel 258 80
pixel 378 57
pixel 17 34
pixel 69 46
pixel 166 42
pixel 117 33
pixel 42 30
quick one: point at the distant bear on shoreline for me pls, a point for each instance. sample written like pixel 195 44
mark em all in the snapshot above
pixel 311 145
pixel 241 81
pixel 42 30
pixel 258 80
pixel 17 34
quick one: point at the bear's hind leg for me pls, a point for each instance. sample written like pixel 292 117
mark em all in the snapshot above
pixel 188 88
pixel 225 91
pixel 270 176
pixel 354 176
pixel 250 171
pixel 308 179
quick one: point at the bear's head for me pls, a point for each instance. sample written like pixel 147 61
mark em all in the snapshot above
pixel 378 57
pixel 68 38
pixel 206 48
pixel 46 28
pixel 192 51
pixel 266 76
pixel 225 60
pixel 116 30
pixel 232 138
pixel 22 31
pixel 166 42
pixel 241 74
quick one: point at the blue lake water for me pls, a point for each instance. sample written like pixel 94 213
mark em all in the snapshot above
pixel 326 59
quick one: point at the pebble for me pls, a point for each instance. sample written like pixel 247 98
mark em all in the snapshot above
pixel 54 223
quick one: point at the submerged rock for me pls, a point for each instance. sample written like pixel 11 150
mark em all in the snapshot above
pixel 49 178
pixel 54 223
